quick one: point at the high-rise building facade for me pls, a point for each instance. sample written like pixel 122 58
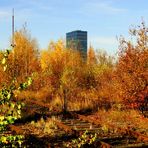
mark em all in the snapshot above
pixel 77 40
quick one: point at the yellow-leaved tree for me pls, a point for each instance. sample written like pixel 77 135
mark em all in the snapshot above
pixel 61 67
pixel 91 57
pixel 23 60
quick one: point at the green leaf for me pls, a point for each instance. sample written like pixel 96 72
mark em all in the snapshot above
pixel 2 118
pixel 4 139
pixel 10 119
pixel 12 105
pixel 19 112
pixel 19 106
pixel 9 96
pixel 29 81
pixel 3 61
pixel 5 67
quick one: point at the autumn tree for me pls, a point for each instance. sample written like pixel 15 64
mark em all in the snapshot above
pixel 132 68
pixel 104 78
pixel 61 67
pixel 23 60
pixel 91 57
pixel 3 76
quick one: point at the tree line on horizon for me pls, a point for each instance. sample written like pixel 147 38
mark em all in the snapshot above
pixel 63 79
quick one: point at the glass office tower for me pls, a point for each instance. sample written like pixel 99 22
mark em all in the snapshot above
pixel 77 40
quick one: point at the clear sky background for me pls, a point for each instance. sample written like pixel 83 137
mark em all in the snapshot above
pixel 50 19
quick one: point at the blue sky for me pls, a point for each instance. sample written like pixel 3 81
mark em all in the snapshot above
pixel 50 19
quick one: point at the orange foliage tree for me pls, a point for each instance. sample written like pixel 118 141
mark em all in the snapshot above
pixel 23 60
pixel 3 76
pixel 91 57
pixel 61 69
pixel 132 68
pixel 104 77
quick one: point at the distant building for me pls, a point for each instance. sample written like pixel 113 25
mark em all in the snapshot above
pixel 77 40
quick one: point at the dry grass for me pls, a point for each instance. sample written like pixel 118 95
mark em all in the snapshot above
pixel 123 119
pixel 80 105
pixel 40 128
pixel 44 95
pixel 56 103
